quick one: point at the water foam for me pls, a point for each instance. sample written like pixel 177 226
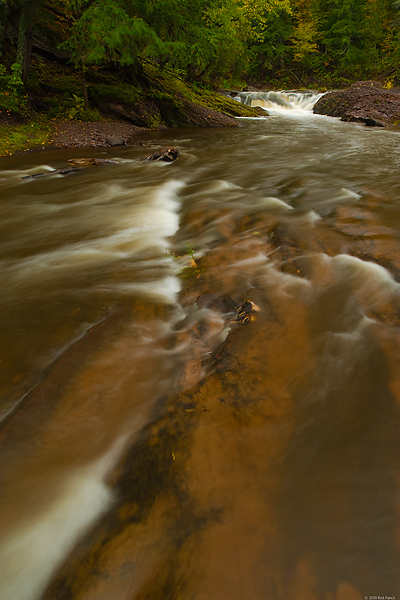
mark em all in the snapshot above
pixel 164 290
pixel 142 227
pixel 346 195
pixel 30 555
pixel 281 102
pixel 17 173
pixel 371 284
pixel 271 202
pixel 310 217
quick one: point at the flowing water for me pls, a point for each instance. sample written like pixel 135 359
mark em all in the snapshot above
pixel 153 446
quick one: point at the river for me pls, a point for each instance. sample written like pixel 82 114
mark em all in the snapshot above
pixel 153 444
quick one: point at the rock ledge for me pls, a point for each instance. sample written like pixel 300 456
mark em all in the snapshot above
pixel 365 101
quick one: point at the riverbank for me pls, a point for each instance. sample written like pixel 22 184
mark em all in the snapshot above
pixel 100 134
pixel 55 115
pixel 41 132
pixel 44 133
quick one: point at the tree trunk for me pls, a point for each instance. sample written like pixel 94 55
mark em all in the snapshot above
pixel 3 18
pixel 28 40
pixel 24 50
pixel 84 88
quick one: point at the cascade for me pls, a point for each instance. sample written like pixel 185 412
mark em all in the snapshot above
pixel 283 101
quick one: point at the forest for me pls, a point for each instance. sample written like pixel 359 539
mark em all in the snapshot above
pixel 53 54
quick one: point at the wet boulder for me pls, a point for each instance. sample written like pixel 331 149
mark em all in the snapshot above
pixel 116 140
pixel 169 155
pixel 366 102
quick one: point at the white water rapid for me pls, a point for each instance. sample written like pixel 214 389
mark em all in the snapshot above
pixel 281 102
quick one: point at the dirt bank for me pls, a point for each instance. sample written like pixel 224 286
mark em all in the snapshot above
pixel 77 134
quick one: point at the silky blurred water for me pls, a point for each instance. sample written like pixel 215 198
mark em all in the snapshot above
pixel 113 242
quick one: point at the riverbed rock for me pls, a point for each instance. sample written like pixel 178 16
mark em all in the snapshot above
pixel 169 155
pixel 366 102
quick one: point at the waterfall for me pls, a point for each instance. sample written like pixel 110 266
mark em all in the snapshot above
pixel 281 102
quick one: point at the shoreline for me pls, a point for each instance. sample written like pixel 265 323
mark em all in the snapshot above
pixel 119 120
pixel 97 134
pixel 17 139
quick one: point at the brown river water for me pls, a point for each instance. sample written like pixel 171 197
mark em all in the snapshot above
pixel 153 446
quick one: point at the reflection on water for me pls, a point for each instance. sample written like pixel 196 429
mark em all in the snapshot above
pixel 154 447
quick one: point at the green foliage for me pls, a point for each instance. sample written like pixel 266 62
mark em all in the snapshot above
pixel 115 91
pixel 74 110
pixel 331 40
pixel 154 121
pixel 12 97
pixel 136 51
pixel 190 268
pixel 269 54
pixel 106 33
pixel 203 39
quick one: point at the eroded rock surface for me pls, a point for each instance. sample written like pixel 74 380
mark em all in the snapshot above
pixel 366 102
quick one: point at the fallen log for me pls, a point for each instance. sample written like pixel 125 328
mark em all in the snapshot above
pixel 86 162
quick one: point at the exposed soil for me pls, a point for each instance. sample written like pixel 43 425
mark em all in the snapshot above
pixel 77 134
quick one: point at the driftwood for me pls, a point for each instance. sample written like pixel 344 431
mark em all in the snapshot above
pixel 165 154
pixel 244 313
pixel 85 162
pixel 77 164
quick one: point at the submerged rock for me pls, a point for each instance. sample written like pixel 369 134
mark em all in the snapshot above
pixel 366 102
